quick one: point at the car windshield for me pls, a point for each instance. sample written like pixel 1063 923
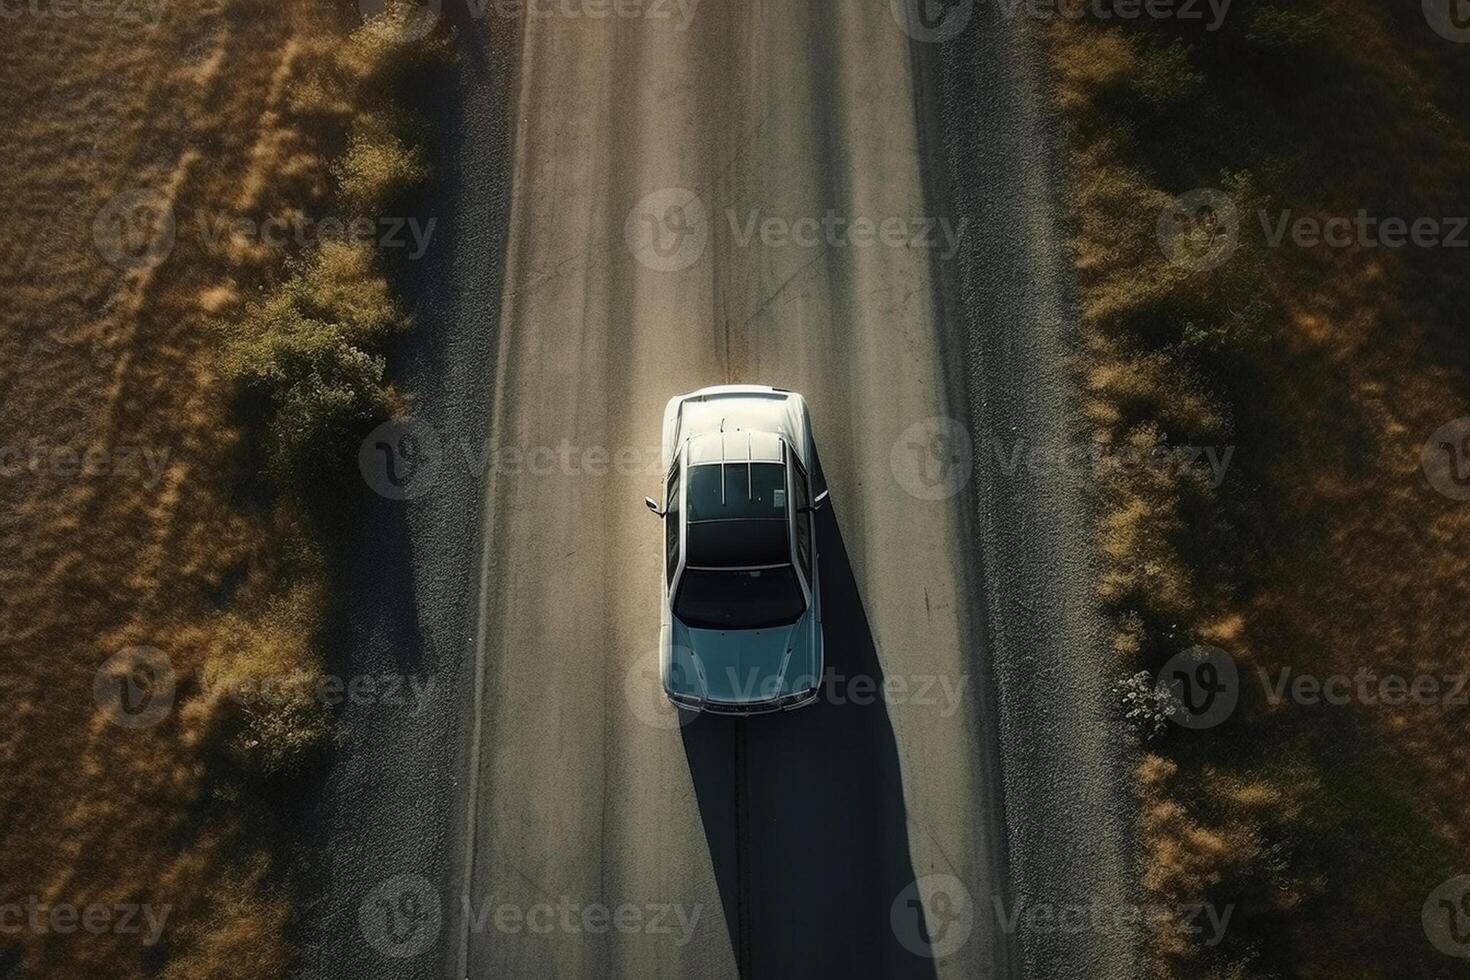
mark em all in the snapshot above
pixel 741 600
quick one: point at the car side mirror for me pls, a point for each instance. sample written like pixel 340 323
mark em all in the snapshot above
pixel 818 503
pixel 649 503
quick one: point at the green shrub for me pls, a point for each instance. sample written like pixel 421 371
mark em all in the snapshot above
pixel 1166 75
pixel 378 170
pixel 343 284
pixel 1279 29
pixel 305 368
pixel 387 50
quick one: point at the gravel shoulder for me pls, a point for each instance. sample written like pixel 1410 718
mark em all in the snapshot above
pixel 1009 304
pixel 391 816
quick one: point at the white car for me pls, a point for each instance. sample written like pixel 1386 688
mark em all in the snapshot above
pixel 742 614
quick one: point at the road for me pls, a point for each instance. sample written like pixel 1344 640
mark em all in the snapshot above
pixel 694 196
pixel 787 840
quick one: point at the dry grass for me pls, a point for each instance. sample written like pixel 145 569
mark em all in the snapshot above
pixel 1324 549
pixel 237 108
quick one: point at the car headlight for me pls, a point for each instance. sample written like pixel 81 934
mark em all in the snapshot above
pixel 680 668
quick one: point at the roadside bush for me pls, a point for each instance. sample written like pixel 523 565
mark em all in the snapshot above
pixel 1146 705
pixel 1165 75
pixel 342 284
pixel 258 707
pixel 386 51
pixel 1278 29
pixel 302 360
pixel 378 170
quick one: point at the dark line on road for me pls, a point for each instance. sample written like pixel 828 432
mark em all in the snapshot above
pixel 742 866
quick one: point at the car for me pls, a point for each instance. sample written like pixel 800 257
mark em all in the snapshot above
pixel 741 625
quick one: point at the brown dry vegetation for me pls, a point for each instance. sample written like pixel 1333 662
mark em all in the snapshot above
pixel 217 356
pixel 1324 549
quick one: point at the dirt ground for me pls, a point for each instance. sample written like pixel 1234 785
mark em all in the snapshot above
pixel 126 561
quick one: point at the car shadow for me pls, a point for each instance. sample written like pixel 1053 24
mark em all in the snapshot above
pixel 804 813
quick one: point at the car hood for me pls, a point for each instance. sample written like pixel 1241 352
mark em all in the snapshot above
pixel 739 666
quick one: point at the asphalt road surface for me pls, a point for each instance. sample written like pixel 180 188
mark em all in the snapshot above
pixel 801 194
pixel 683 204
